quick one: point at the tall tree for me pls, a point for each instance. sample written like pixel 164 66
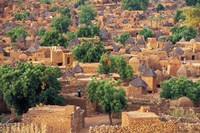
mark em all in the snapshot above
pixel 26 85
pixel 107 96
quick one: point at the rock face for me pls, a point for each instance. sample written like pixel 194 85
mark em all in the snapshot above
pixel 60 119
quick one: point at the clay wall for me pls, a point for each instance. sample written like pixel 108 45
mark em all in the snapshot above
pixel 23 128
pixel 89 67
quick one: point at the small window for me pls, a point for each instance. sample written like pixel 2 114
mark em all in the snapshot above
pixel 193 57
pixel 68 60
pixel 60 64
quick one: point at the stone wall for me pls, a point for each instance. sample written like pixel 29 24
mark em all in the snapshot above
pixel 60 119
pixel 23 128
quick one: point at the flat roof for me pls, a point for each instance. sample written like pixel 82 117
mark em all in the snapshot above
pixel 138 114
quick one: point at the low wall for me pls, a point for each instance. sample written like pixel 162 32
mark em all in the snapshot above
pixel 89 67
pixel 23 128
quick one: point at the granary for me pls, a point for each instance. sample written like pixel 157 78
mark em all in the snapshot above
pixel 136 88
pixel 173 66
pixel 185 102
pixel 159 77
pixel 149 76
pixel 182 71
pixel 134 62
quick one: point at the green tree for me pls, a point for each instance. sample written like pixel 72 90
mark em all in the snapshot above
pixel 17 32
pixel 41 32
pixel 175 88
pixel 53 38
pixel 123 37
pixel 179 32
pixel 88 31
pixel 107 96
pixel 118 64
pixel 45 1
pixel 26 85
pixel 88 51
pixel 65 11
pixel 192 2
pixel 53 9
pixel 87 14
pixel 192 17
pixel 61 24
pixel 135 4
pixel 79 3
pixel 146 32
pixel 179 15
pixel 160 7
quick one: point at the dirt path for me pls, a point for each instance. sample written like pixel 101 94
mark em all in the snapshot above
pixel 97 120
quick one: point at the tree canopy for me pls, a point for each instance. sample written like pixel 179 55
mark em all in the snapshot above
pixel 88 51
pixel 88 31
pixel 26 85
pixel 179 15
pixel 146 32
pixel 61 24
pixel 123 37
pixel 53 38
pixel 135 4
pixel 192 17
pixel 192 2
pixel 175 88
pixel 64 11
pixel 160 7
pixel 87 14
pixel 179 32
pixel 107 96
pixel 17 32
pixel 118 64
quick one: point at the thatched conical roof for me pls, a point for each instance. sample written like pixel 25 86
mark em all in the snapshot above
pixel 138 82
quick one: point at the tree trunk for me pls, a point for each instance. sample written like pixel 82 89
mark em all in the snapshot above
pixel 110 118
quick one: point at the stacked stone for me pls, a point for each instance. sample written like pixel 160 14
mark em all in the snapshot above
pixel 109 129
pixel 23 128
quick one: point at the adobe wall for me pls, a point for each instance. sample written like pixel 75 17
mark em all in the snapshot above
pixel 23 128
pixel 89 67
pixel 60 119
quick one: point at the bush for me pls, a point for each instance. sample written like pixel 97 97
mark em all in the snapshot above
pixel 79 3
pixel 123 37
pixel 146 32
pixel 175 88
pixel 41 32
pixel 179 15
pixel 61 24
pixel 160 7
pixel 65 11
pixel 178 112
pixel 53 38
pixel 88 31
pixel 88 51
pixel 135 4
pixel 87 14
pixel 17 32
pixel 179 32
pixel 53 8
pixel 45 1
pixel 192 2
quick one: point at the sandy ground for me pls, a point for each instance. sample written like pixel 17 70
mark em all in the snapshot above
pixel 97 120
